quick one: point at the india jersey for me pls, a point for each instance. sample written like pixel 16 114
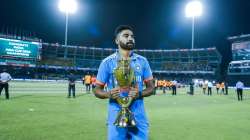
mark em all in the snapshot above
pixel 142 72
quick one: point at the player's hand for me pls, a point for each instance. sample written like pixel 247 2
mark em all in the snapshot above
pixel 114 93
pixel 134 93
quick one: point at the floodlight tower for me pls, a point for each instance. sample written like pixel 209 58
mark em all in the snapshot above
pixel 193 9
pixel 67 7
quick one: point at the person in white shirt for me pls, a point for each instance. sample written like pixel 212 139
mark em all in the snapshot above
pixel 4 79
pixel 209 89
pixel 239 88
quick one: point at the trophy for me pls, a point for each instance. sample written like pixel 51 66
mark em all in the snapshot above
pixel 124 75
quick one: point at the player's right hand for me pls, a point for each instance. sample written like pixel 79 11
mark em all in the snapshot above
pixel 114 93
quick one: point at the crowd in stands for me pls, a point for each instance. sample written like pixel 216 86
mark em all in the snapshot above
pixel 187 67
pixel 81 59
pixel 45 73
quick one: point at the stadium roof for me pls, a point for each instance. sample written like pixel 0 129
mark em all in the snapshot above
pixel 239 37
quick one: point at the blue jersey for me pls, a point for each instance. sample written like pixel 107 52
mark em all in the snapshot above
pixel 142 71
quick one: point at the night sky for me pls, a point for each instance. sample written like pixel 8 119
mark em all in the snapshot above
pixel 158 24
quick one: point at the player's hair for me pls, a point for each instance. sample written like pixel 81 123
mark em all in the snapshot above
pixel 121 28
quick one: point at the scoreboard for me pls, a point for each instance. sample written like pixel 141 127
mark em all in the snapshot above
pixel 18 49
pixel 241 50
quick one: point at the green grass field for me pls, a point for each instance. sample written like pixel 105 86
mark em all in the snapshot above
pixel 41 111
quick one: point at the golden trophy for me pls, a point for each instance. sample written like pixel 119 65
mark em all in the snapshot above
pixel 124 75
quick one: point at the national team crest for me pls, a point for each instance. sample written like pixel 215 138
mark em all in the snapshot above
pixel 137 67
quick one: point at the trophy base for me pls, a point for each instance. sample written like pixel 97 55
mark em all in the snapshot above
pixel 125 119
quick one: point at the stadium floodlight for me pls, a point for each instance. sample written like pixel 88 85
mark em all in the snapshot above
pixel 193 9
pixel 67 7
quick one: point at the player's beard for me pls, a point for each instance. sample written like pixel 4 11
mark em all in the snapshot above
pixel 128 46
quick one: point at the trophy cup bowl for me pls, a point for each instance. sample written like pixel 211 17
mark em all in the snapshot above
pixel 125 79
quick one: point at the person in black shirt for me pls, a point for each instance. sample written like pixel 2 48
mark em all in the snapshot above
pixel 191 86
pixel 226 88
pixel 71 87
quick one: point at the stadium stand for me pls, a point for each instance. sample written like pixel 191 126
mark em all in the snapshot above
pixel 239 67
pixel 179 64
pixel 184 64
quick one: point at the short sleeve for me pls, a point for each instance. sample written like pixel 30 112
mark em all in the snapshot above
pixel 102 75
pixel 147 73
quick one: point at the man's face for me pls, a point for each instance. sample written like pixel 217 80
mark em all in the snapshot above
pixel 125 39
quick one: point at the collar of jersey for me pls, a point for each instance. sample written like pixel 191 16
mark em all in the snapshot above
pixel 131 55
